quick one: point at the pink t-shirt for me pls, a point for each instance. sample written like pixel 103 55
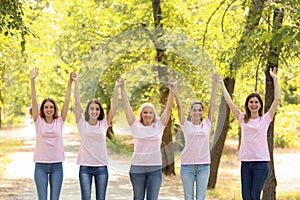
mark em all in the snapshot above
pixel 92 150
pixel 147 140
pixel 196 149
pixel 49 143
pixel 254 143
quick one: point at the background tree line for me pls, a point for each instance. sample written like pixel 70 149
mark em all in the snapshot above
pixel 243 39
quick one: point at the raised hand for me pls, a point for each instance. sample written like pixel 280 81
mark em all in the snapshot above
pixel 34 72
pixel 273 73
pixel 173 84
pixel 73 76
pixel 119 82
pixel 218 77
pixel 215 77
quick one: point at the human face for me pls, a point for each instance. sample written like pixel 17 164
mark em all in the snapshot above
pixel 196 112
pixel 254 104
pixel 147 116
pixel 48 109
pixel 94 111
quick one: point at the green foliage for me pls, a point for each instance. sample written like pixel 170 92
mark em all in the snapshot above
pixel 13 80
pixel 87 37
pixel 121 145
pixel 286 127
pixel 11 18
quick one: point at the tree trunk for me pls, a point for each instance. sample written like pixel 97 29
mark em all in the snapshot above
pixel 220 135
pixel 252 22
pixel 167 146
pixel 179 140
pixel 269 191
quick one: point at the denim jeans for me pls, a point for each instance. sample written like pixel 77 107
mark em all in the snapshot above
pixel 48 172
pixel 86 174
pixel 253 175
pixel 191 173
pixel 145 179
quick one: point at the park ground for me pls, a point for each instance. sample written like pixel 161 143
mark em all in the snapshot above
pixel 16 176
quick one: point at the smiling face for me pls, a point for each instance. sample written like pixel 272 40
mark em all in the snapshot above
pixel 147 115
pixel 49 109
pixel 196 112
pixel 254 105
pixel 94 111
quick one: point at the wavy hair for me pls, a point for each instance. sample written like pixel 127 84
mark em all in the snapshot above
pixel 150 106
pixel 247 110
pixel 194 103
pixel 42 114
pixel 86 113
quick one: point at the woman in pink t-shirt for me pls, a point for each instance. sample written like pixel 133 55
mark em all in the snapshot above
pixel 146 165
pixel 92 156
pixel 49 150
pixel 254 151
pixel 195 158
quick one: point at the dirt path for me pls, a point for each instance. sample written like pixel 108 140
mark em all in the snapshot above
pixel 17 181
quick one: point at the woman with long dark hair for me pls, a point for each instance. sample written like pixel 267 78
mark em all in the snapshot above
pixel 254 152
pixel 49 150
pixel 92 156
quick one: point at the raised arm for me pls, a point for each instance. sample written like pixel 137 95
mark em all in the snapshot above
pixel 114 105
pixel 174 89
pixel 276 100
pixel 64 110
pixel 228 99
pixel 165 116
pixel 128 110
pixel 77 109
pixel 212 98
pixel 33 73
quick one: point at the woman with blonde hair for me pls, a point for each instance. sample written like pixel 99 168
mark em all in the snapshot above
pixel 146 165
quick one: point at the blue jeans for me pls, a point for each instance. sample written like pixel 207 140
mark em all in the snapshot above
pixel 48 172
pixel 253 175
pixel 145 179
pixel 191 173
pixel 86 175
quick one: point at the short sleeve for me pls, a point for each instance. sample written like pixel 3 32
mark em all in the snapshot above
pixel 241 117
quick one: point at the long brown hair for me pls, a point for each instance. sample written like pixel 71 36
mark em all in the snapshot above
pixel 195 103
pixel 86 114
pixel 42 114
pixel 247 110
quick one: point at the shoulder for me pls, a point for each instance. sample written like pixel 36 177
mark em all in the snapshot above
pixel 207 122
pixel 267 117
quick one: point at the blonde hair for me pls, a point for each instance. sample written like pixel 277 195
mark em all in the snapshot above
pixel 150 106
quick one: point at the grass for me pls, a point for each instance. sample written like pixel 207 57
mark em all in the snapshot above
pixel 288 196
pixel 7 147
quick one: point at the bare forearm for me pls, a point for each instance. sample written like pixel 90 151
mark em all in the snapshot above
pixel 277 95
pixel 114 106
pixel 65 107
pixel 77 109
pixel 128 110
pixel 212 102
pixel 33 100
pixel 179 107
